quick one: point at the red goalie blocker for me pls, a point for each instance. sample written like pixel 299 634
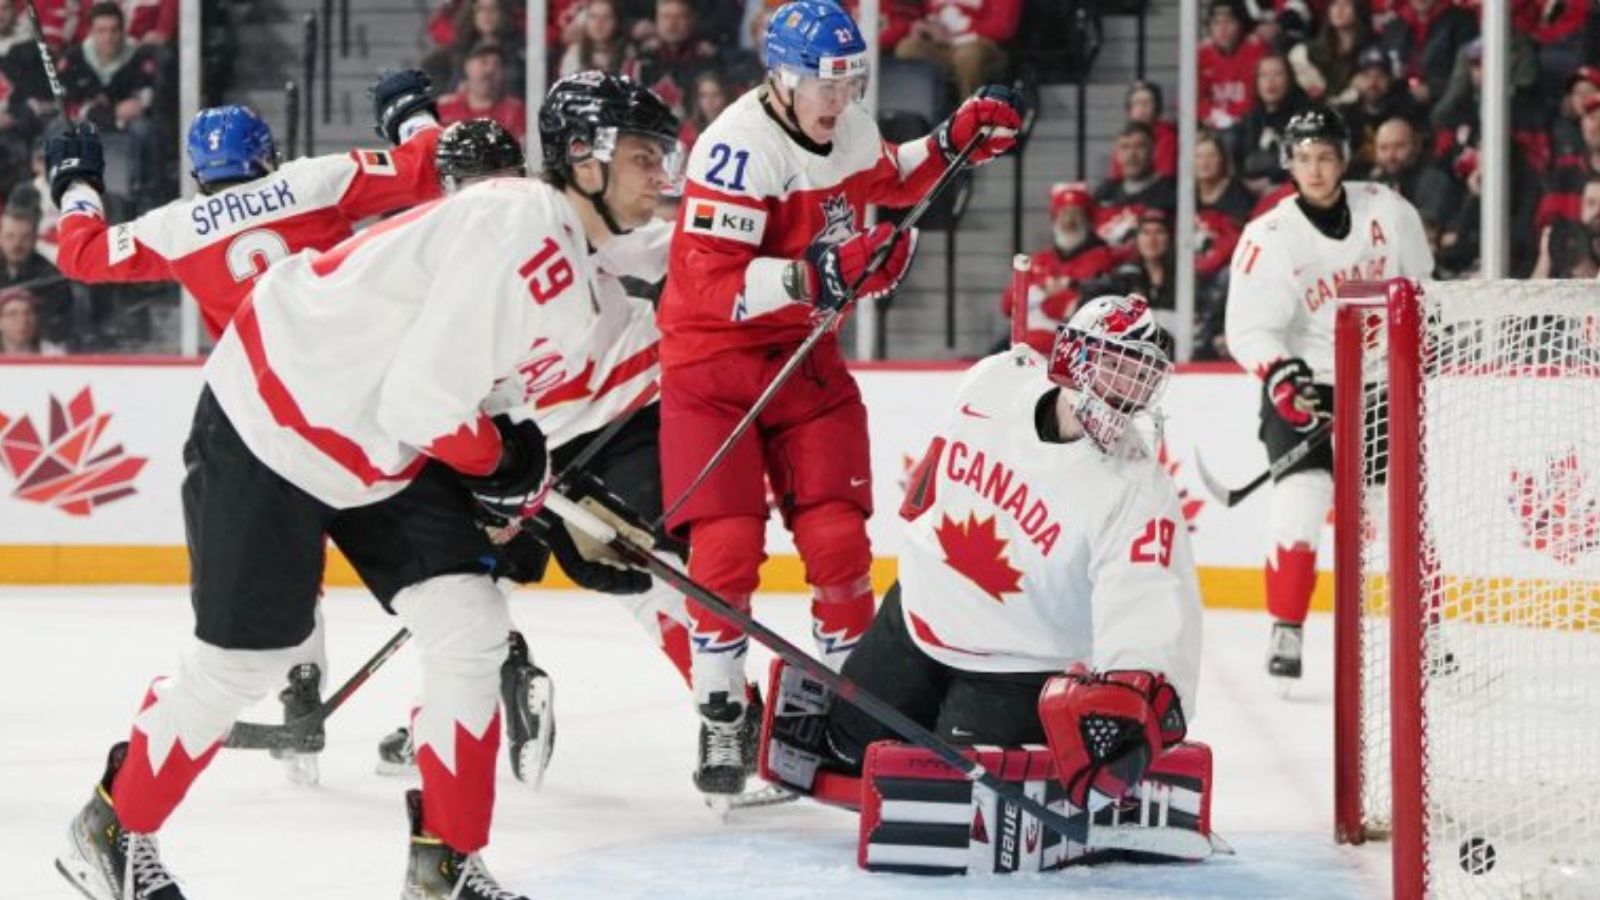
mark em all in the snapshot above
pixel 920 816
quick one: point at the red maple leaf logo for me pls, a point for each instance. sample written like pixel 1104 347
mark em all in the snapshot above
pixel 974 550
pixel 67 470
pixel 1558 508
pixel 1191 505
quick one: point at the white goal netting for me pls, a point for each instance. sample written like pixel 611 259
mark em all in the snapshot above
pixel 1507 537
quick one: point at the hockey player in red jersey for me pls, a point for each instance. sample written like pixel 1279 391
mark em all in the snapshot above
pixel 1287 269
pixel 1043 537
pixel 1056 274
pixel 768 235
pixel 250 211
pixel 346 401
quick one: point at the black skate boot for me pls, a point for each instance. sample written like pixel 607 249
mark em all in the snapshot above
pixel 436 872
pixel 726 753
pixel 1283 655
pixel 397 755
pixel 104 861
pixel 528 695
pixel 301 697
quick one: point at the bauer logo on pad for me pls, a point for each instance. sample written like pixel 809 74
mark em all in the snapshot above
pixel 726 220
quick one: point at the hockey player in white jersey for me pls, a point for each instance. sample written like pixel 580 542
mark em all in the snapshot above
pixel 1046 578
pixel 1287 270
pixel 346 401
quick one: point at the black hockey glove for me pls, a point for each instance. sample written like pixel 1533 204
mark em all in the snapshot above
pixel 584 559
pixel 516 489
pixel 1291 393
pixel 397 97
pixel 75 155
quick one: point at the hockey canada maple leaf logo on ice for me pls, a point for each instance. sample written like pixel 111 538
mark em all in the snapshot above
pixel 1558 508
pixel 67 469
pixel 974 550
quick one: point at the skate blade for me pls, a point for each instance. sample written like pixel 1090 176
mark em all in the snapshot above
pixel 724 805
pixel 302 769
pixel 82 876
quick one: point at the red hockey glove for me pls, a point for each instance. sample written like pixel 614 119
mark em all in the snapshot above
pixel 991 105
pixel 1105 729
pixel 1290 392
pixel 835 267
pixel 516 489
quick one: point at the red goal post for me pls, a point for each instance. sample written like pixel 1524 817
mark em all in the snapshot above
pixel 1467 584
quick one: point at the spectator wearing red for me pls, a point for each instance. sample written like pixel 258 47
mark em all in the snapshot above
pixel 1564 187
pixel 1277 99
pixel 600 43
pixel 965 38
pixel 1572 249
pixel 1228 58
pixel 483 23
pixel 1425 36
pixel 1057 273
pixel 1566 136
pixel 1149 271
pixel 151 22
pixel 1325 64
pixel 1122 200
pixel 1379 98
pixel 895 19
pixel 1143 105
pixel 483 95
pixel 670 61
pixel 64 22
pixel 1222 207
pixel 19 326
pixel 107 80
pixel 711 97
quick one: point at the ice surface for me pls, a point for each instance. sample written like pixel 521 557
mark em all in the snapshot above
pixel 618 817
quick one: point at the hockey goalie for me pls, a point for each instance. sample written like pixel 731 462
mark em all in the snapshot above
pixel 1047 616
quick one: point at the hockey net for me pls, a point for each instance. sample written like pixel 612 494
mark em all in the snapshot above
pixel 1467 576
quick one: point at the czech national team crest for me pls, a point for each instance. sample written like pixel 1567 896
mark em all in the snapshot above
pixel 838 220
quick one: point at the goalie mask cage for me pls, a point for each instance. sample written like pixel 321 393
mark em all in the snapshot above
pixel 1467 584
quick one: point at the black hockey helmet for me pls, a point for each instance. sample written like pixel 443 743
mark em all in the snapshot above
pixel 584 113
pixel 1314 124
pixel 477 148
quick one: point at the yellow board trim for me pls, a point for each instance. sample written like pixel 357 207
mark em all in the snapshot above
pixel 1221 587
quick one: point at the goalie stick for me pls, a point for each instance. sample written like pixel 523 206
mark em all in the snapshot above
pixel 291 735
pixel 1074 828
pixel 824 324
pixel 1231 496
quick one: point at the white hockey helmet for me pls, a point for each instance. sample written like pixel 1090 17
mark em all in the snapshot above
pixel 1116 358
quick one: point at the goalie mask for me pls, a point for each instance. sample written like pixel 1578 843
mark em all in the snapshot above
pixel 1113 355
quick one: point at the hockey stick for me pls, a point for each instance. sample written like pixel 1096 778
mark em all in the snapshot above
pixel 1074 828
pixel 824 325
pixel 1231 496
pixel 291 735
pixel 49 64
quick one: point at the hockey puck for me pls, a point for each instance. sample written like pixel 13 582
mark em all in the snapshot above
pixel 1477 856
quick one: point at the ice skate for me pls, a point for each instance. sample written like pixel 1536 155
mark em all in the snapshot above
pixel 397 755
pixel 1283 655
pixel 435 871
pixel 106 862
pixel 727 753
pixel 528 695
pixel 300 698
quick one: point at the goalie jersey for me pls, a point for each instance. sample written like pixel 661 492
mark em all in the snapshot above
pixel 1022 555
pixel 344 370
pixel 1286 275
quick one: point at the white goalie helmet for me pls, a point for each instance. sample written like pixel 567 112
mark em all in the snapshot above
pixel 1115 357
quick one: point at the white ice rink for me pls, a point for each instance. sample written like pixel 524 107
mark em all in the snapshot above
pixel 618 817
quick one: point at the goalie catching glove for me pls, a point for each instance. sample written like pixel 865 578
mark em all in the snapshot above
pixel 1104 729
pixel 829 270
pixel 1292 394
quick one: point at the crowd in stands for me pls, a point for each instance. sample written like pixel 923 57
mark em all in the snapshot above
pixel 117 64
pixel 1406 75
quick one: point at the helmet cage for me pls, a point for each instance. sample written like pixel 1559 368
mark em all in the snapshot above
pixel 1115 380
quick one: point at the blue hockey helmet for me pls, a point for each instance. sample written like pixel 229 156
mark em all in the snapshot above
pixel 815 39
pixel 230 143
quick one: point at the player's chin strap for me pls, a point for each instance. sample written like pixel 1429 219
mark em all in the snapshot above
pixel 789 121
pixel 598 198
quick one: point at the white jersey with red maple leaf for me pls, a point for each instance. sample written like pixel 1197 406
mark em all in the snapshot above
pixel 1023 555
pixel 572 397
pixel 1287 274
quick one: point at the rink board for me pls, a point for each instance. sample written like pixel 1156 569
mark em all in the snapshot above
pixel 131 424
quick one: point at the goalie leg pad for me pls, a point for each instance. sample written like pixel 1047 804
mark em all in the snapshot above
pixel 795 750
pixel 919 816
